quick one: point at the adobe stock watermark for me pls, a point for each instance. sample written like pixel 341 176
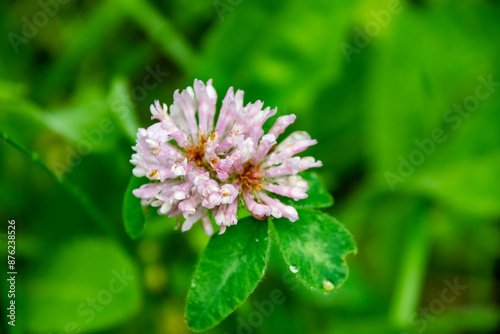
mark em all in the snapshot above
pixel 223 6
pixel 48 9
pixel 121 106
pixel 372 29
pixel 421 319
pixel 427 146
pixel 264 309
pixel 89 309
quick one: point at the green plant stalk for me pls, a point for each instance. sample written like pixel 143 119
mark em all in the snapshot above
pixel 160 30
pixel 101 23
pixel 100 220
pixel 409 281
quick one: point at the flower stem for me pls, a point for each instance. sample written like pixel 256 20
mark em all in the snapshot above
pixel 411 273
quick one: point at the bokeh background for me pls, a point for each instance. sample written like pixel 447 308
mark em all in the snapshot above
pixel 403 97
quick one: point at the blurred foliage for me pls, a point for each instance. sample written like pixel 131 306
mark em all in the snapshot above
pixel 78 86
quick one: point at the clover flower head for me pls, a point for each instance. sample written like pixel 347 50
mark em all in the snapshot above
pixel 198 166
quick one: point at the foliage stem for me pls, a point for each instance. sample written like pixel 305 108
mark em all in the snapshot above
pixel 411 273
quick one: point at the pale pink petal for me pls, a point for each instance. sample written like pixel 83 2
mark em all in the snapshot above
pixel 257 210
pixel 231 105
pixel 288 191
pixel 159 112
pixel 186 103
pixel 289 166
pixel 207 99
pixel 229 193
pixel 290 151
pixel 281 124
pixel 279 209
pixel 231 139
pixel 265 145
pixel 309 162
pixel 207 226
pixel 188 206
pixel 149 190
pixel 201 212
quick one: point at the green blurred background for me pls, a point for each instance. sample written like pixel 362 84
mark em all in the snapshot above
pixel 395 93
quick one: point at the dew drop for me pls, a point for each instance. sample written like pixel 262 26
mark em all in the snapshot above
pixel 193 285
pixel 257 240
pixel 294 269
pixel 327 285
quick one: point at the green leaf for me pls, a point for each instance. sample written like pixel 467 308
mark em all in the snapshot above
pixel 318 195
pixel 315 248
pixel 231 267
pixel 120 102
pixel 86 285
pixel 133 216
pixel 84 126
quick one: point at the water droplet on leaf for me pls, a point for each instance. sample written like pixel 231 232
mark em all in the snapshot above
pixel 294 269
pixel 327 285
pixel 257 240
